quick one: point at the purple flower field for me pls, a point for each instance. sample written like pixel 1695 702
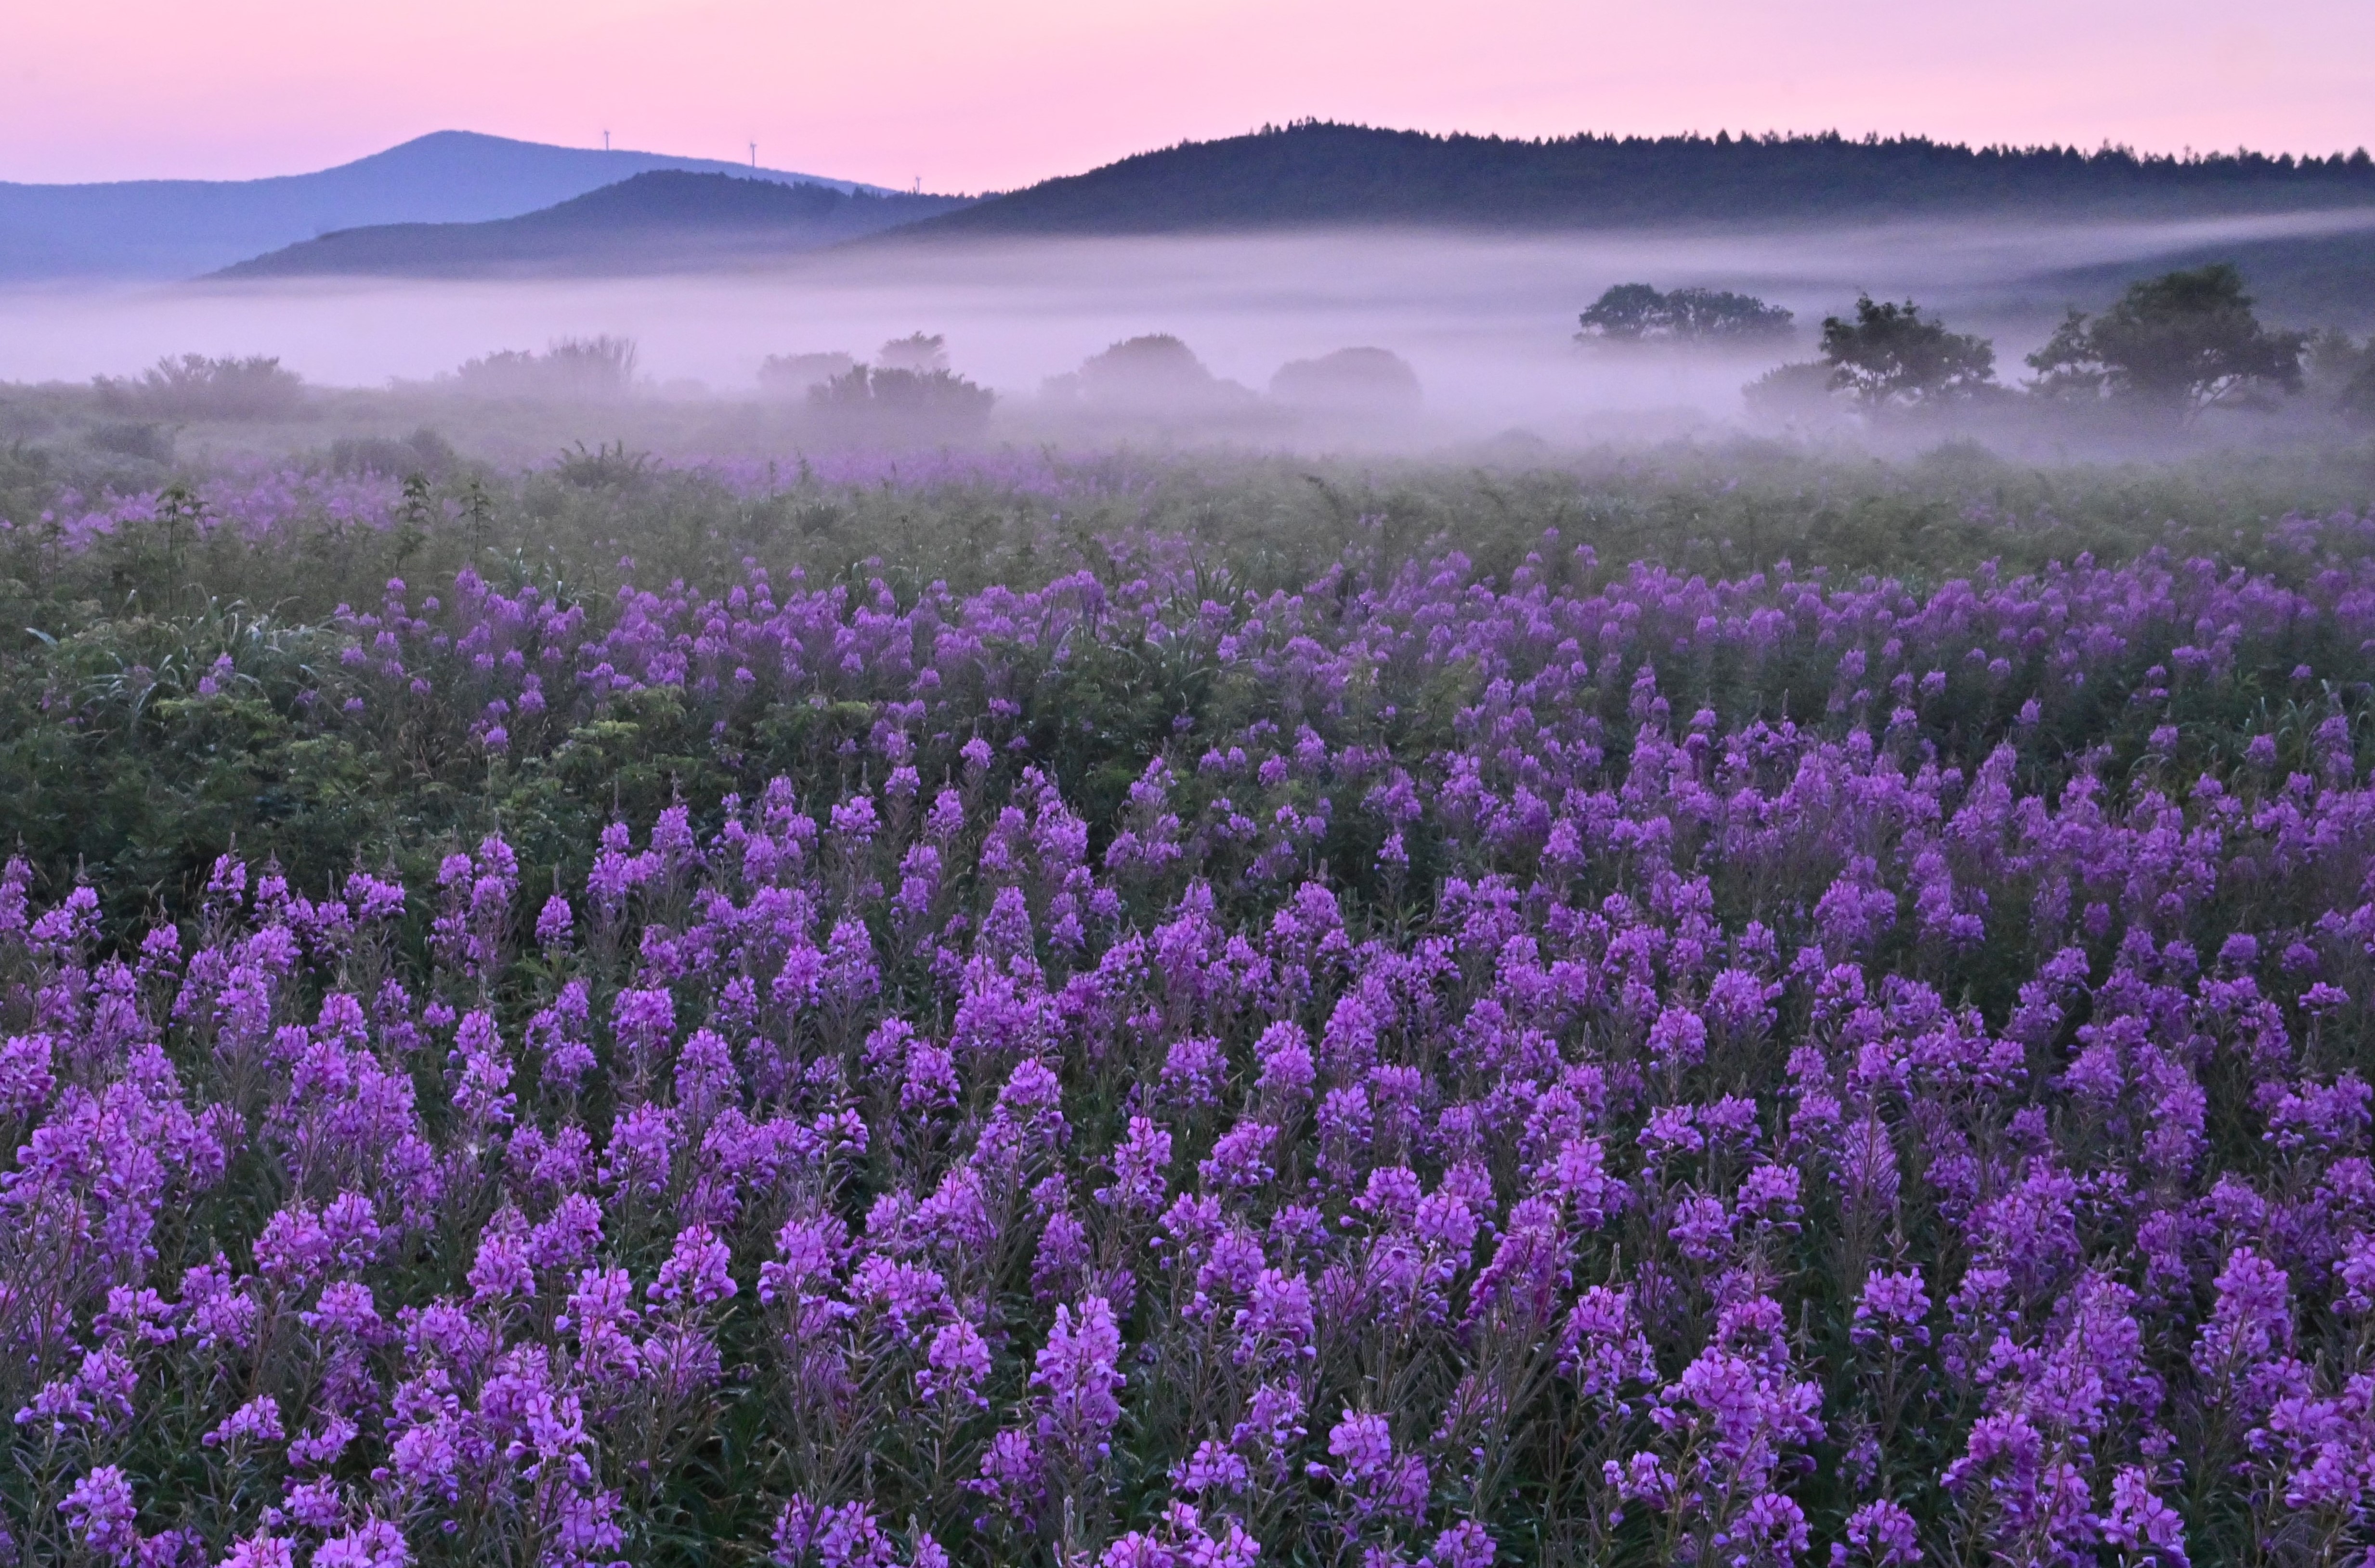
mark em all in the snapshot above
pixel 1577 1064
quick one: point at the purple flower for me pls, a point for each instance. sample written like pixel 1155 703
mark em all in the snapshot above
pixel 375 1543
pixel 1361 1444
pixel 698 1271
pixel 2140 1525
pixel 1465 1545
pixel 553 923
pixel 1080 1374
pixel 1880 1535
pixel 261 1552
pixel 258 1421
pixel 1892 1310
pixel 955 1367
pixel 1012 1481
pixel 99 1514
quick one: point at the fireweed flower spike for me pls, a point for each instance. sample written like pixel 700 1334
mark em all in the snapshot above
pixel 1753 1069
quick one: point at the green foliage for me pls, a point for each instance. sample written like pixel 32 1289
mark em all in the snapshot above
pixel 149 443
pixel 2341 373
pixel 195 387
pixel 607 466
pixel 2183 342
pixel 116 757
pixel 28 477
pixel 931 405
pixel 792 375
pixel 1152 375
pixel 1636 312
pixel 1892 356
pixel 1793 393
pixel 1316 174
pixel 1367 381
pixel 922 352
pixel 424 452
pixel 581 368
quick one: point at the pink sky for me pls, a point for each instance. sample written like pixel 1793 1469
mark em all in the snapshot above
pixel 976 96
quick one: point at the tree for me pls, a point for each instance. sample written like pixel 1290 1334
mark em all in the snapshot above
pixel 570 369
pixel 1634 312
pixel 1893 356
pixel 791 375
pixel 865 403
pixel 1154 375
pixel 2358 393
pixel 2184 341
pixel 2340 374
pixel 195 387
pixel 1795 394
pixel 1349 380
pixel 922 352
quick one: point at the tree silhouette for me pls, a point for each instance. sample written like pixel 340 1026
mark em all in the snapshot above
pixel 2183 342
pixel 1636 312
pixel 1893 356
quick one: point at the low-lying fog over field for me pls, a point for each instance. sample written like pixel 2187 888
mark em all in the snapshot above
pixel 1486 323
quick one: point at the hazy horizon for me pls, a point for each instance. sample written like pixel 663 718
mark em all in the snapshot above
pixel 1485 322
pixel 972 100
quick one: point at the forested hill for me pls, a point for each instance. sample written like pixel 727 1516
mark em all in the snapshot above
pixel 1317 174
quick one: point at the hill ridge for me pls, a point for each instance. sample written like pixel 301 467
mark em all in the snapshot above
pixel 162 229
pixel 659 220
pixel 1311 172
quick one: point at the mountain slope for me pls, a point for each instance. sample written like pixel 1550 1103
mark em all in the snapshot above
pixel 1315 174
pixel 2306 281
pixel 663 221
pixel 180 228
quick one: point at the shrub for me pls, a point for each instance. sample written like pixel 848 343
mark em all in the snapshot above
pixel 571 370
pixel 921 352
pixel 1351 381
pixel 900 406
pixel 1636 312
pixel 2183 342
pixel 195 387
pixel 793 375
pixel 424 452
pixel 1892 356
pixel 1152 375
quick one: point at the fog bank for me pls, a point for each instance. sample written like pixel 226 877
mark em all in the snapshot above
pixel 1485 322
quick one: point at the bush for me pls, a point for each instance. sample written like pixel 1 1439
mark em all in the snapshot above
pixel 607 465
pixel 1634 312
pixel 919 351
pixel 1151 376
pixel 572 370
pixel 1799 393
pixel 1892 356
pixel 2183 342
pixel 149 443
pixel 794 375
pixel 195 387
pixel 424 452
pixel 27 481
pixel 900 406
pixel 1349 380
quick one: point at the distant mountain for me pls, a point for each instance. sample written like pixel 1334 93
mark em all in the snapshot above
pixel 663 221
pixel 180 228
pixel 1315 174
